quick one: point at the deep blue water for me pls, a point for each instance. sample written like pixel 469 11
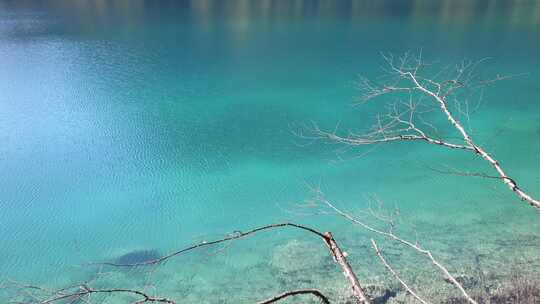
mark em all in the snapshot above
pixel 142 125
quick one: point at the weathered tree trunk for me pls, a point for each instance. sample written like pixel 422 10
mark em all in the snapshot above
pixel 340 258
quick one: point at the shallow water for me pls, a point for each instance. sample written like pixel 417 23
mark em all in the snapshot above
pixel 142 126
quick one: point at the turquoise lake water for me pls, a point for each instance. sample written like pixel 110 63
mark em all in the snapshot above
pixel 130 125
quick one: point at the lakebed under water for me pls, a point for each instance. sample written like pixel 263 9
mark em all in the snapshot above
pixel 144 127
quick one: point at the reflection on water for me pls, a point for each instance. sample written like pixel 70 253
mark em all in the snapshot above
pixel 444 13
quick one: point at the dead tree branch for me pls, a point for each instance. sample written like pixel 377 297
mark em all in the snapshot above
pixel 394 273
pixel 233 236
pixel 82 291
pixel 391 235
pixel 339 256
pixel 314 292
pixel 86 291
pixel 406 77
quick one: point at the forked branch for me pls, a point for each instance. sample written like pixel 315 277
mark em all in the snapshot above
pixel 82 292
pixel 338 255
pixel 392 236
pixel 406 78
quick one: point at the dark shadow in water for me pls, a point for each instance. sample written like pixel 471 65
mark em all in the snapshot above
pixel 138 256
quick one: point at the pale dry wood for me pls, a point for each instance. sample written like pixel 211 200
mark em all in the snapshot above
pixel 340 257
pixel 395 274
pixel 406 75
pixel 357 290
pixel 391 235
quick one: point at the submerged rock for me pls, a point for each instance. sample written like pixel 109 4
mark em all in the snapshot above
pixel 138 256
pixel 380 294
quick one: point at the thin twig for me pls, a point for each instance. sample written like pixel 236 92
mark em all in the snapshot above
pixel 394 273
pixel 291 293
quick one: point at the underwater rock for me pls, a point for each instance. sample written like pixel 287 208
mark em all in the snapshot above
pixel 138 256
pixel 380 294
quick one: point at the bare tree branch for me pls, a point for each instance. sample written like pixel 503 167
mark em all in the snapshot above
pixel 85 291
pixel 394 273
pixel 336 252
pixel 291 293
pixel 234 236
pixel 391 235
pixel 452 171
pixel 405 75
pixel 81 291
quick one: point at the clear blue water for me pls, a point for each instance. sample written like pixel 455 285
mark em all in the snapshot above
pixel 146 125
